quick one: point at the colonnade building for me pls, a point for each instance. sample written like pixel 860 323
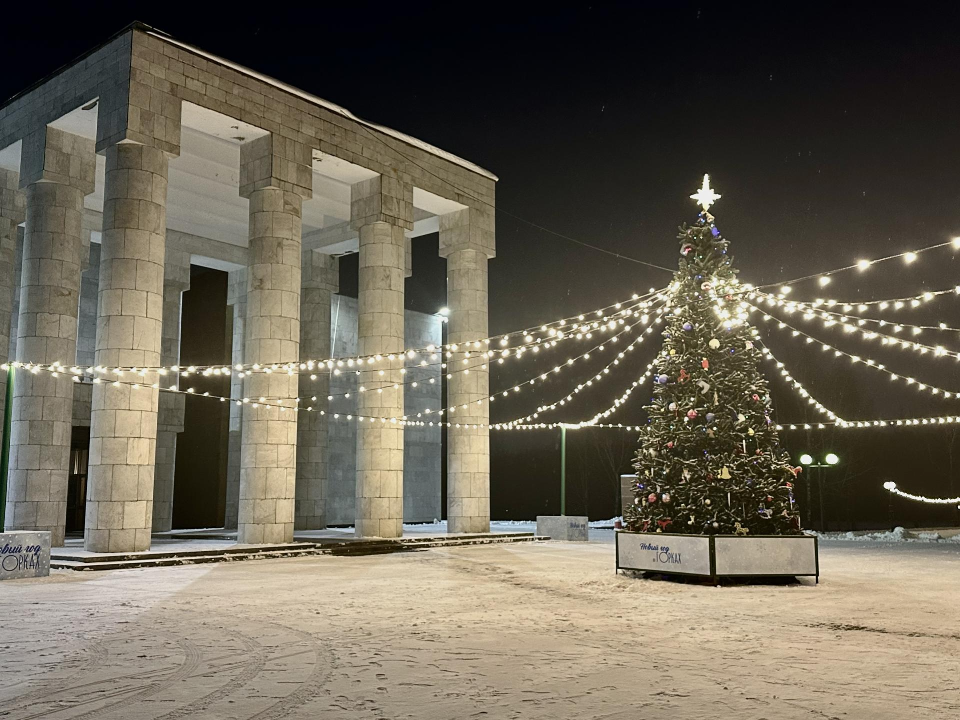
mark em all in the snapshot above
pixel 148 156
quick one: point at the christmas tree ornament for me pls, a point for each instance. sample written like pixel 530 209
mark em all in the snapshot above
pixel 704 386
pixel 683 376
pixel 741 417
pixel 665 497
pixel 749 345
pixel 672 352
pixel 691 414
pixel 672 407
pixel 663 379
pixel 710 417
pixel 686 249
pixel 740 530
pixel 705 364
pixel 652 498
pixel 750 431
pixel 724 473
pixel 688 327
pixel 706 502
pixel 714 343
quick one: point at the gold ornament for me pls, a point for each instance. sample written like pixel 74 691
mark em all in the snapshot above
pixel 739 530
pixel 724 473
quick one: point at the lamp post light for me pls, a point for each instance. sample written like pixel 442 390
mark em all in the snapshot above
pixel 829 460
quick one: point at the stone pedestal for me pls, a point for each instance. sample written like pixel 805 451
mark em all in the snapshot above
pixel 123 428
pixel 572 528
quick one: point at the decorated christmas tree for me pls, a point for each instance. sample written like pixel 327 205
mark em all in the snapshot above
pixel 709 460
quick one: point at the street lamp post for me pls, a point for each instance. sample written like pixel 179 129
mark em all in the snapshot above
pixel 830 460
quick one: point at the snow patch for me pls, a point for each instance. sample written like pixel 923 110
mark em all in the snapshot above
pixel 897 535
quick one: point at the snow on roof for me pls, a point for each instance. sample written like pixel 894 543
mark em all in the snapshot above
pixel 333 107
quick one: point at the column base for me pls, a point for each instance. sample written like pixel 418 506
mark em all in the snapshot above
pixel 379 528
pixel 468 524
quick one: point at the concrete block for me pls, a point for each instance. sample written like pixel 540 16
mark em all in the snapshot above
pixel 572 528
pixel 24 555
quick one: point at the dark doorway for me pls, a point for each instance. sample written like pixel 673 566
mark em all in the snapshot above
pixel 200 480
pixel 77 479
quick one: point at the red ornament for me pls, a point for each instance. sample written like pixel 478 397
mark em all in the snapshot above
pixel 705 364
pixel 756 398
pixel 691 414
pixel 664 524
pixel 670 444
pixel 686 249
pixel 652 498
pixel 683 375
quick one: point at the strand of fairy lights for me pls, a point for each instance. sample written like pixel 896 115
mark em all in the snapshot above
pixel 792 306
pixel 810 314
pixel 542 377
pixel 857 359
pixel 908 256
pixel 897 303
pixel 891 487
pixel 797 386
pixel 559 329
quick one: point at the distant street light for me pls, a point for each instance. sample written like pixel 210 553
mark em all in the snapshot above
pixel 830 460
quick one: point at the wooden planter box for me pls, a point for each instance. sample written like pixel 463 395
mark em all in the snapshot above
pixel 718 556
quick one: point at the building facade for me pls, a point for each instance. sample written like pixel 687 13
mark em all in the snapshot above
pixel 147 156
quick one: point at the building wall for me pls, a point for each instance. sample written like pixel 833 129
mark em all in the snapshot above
pixel 422 450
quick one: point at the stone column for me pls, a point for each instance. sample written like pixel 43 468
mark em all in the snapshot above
pixel 123 427
pixel 171 405
pixel 57 170
pixel 275 176
pixel 12 213
pixel 381 209
pixel 467 242
pixel 319 280
pixel 237 299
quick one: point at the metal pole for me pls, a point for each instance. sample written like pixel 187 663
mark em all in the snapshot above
pixel 5 446
pixel 823 522
pixel 563 470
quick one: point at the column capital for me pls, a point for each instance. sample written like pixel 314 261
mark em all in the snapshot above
pixel 52 155
pixel 381 199
pixel 319 270
pixel 139 113
pixel 468 229
pixel 274 161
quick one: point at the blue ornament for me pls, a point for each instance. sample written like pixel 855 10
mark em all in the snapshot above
pixel 716 233
pixel 710 417
pixel 663 379
pixel 687 327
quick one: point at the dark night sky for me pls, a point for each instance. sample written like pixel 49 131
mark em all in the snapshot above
pixel 831 133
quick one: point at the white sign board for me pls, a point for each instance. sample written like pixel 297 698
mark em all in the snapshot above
pixel 24 555
pixel 658 552
pixel 796 555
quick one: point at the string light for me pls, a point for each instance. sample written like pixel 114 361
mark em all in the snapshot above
pixel 891 487
pixel 908 256
pixel 869 362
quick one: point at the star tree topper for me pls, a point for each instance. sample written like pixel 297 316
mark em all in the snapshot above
pixel 705 196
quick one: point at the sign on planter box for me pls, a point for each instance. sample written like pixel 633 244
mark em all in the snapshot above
pixel 656 552
pixel 24 555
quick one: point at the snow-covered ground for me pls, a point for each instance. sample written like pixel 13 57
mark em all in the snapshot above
pixel 532 631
